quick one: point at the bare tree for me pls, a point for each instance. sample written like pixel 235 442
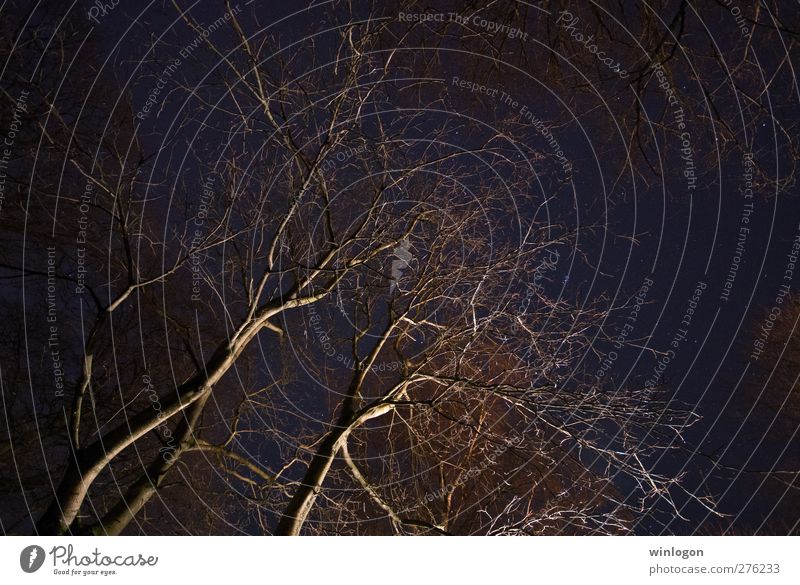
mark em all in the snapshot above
pixel 302 283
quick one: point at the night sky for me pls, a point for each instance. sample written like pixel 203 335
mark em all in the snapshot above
pixel 679 189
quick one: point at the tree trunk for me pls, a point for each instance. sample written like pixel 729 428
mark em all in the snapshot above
pixel 301 503
pixel 140 492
